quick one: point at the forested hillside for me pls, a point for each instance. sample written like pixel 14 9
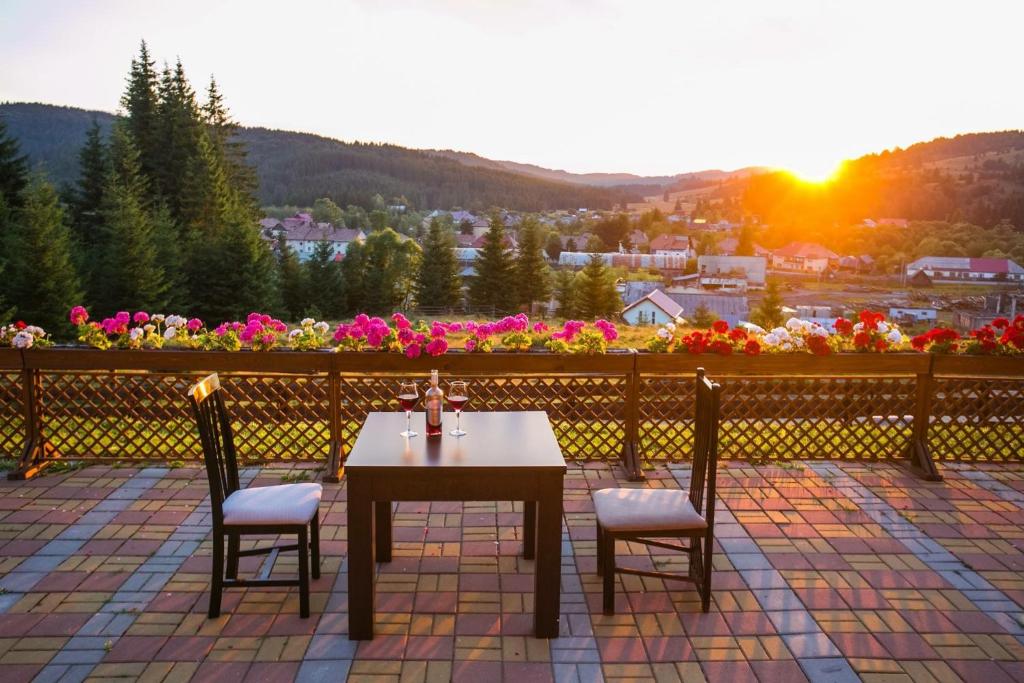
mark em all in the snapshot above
pixel 298 168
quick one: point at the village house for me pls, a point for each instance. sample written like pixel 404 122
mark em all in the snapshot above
pixel 674 245
pixel 731 308
pixel 731 272
pixel 803 257
pixel 967 270
pixel 654 308
pixel 912 314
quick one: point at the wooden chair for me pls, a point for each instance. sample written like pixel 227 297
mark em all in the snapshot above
pixel 643 515
pixel 283 509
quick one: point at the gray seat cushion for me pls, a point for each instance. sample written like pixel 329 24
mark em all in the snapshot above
pixel 646 510
pixel 283 504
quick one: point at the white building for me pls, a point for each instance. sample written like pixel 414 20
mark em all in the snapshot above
pixel 913 314
pixel 750 269
pixel 304 241
pixel 967 270
pixel 656 308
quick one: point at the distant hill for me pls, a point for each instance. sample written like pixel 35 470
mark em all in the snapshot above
pixel 297 168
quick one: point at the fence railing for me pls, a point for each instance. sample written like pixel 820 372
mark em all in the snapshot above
pixel 634 407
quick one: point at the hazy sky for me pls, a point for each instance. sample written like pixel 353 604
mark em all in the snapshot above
pixel 645 87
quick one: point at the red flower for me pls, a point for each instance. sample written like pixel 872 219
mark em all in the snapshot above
pixel 818 345
pixel 843 326
pixel 881 345
pixel 1000 323
pixel 870 319
pixel 737 334
pixel 20 325
pixel 920 342
pixel 720 326
pixel 752 348
pixel 722 348
pixel 861 340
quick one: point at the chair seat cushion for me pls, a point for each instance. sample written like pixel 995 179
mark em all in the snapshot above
pixel 282 504
pixel 646 510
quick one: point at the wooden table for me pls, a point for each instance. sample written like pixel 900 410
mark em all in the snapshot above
pixel 503 456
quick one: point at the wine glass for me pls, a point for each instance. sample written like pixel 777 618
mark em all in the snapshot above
pixel 408 397
pixel 458 394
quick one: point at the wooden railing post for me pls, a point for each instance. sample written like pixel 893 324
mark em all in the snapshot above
pixel 335 467
pixel 37 452
pixel 919 456
pixel 631 457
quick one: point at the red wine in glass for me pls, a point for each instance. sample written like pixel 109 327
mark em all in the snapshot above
pixel 458 395
pixel 408 397
pixel 457 402
pixel 408 401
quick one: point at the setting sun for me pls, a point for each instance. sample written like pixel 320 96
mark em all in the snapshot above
pixel 815 172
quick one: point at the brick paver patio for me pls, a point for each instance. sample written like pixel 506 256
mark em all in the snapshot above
pixel 824 572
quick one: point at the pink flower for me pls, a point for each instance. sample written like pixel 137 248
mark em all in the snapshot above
pixel 122 317
pixel 420 338
pixel 401 322
pixel 221 330
pixel 471 345
pixel 437 346
pixel 268 338
pixel 194 324
pixel 253 318
pixel 374 338
pixel 471 327
pixel 455 327
pixel 413 351
pixel 266 319
pixel 278 326
pixel 540 328
pixel 437 330
pixel 340 332
pixel 607 329
pixel 79 315
pixel 405 335
pixel 141 317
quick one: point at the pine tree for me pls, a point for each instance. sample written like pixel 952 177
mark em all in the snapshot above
pixel 533 278
pixel 92 179
pixel 13 169
pixel 745 241
pixel 179 131
pixel 553 246
pixel 170 252
pixel 438 283
pixel 768 313
pixel 130 274
pixel 326 282
pixel 565 292
pixel 232 154
pixel 595 292
pixel 141 112
pixel 291 278
pixel 41 281
pixel 494 286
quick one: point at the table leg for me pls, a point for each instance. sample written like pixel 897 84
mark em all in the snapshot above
pixel 383 524
pixel 547 579
pixel 360 560
pixel 529 529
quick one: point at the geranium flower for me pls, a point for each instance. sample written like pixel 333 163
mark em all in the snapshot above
pixel 720 326
pixel 413 351
pixel 79 315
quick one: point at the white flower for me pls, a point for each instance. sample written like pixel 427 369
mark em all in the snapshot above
pixel 170 333
pixel 135 333
pixel 663 333
pixel 787 347
pixel 23 340
pixel 322 327
pixel 670 327
pixel 35 331
pixel 794 324
pixel 148 328
pixel 771 339
pixel 883 327
pixel 753 329
pixel 157 318
pixel 819 331
pixel 175 321
pixel 858 327
pixel 894 337
pixel 306 322
pixel 294 333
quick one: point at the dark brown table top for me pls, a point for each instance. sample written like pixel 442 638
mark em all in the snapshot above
pixel 493 440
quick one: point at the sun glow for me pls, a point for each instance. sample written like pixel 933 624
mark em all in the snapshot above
pixel 816 172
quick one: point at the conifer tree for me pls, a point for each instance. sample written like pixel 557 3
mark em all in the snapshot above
pixel 326 283
pixel 438 282
pixel 241 176
pixel 291 278
pixel 703 317
pixel 13 169
pixel 40 279
pixel 141 112
pixel 565 292
pixel 494 285
pixel 179 131
pixel 745 242
pixel 130 276
pixel 533 278
pixel 595 292
pixel 768 313
pixel 88 198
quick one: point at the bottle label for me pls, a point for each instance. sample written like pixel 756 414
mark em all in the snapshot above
pixel 434 405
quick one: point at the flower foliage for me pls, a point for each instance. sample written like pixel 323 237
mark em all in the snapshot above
pixel 1000 337
pixel 870 334
pixel 21 335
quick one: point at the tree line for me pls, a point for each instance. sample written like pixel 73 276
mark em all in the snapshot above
pixel 163 217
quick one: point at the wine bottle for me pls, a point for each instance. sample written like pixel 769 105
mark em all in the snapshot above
pixel 434 402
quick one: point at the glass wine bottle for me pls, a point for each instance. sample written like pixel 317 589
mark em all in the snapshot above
pixel 433 399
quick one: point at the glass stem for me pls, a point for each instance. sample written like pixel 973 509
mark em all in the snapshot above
pixel 408 421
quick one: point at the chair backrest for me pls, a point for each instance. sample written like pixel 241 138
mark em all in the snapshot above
pixel 218 445
pixel 705 446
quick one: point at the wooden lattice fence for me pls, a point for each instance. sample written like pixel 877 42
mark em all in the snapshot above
pixel 637 407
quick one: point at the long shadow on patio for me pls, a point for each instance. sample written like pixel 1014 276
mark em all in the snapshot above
pixel 824 572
